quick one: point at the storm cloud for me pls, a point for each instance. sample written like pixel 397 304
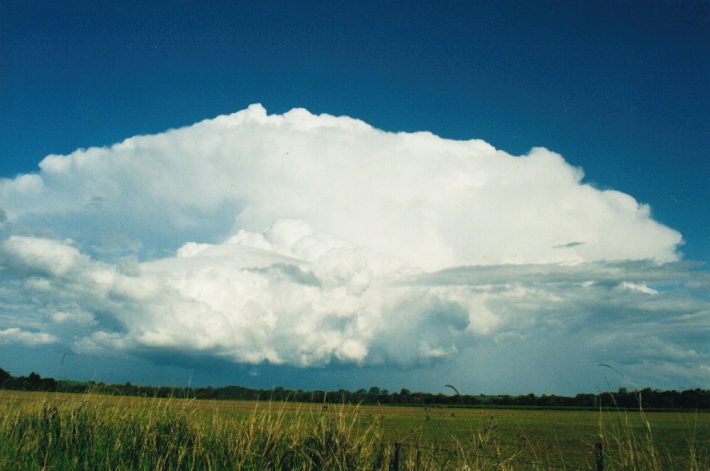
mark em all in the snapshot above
pixel 305 240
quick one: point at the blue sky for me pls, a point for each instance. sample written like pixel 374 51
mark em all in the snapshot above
pixel 619 90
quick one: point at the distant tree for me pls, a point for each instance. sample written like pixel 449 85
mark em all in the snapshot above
pixel 279 394
pixel 48 384
pixel 373 394
pixel 4 376
pixel 585 400
pixel 359 396
pixel 404 395
pixel 33 381
pixel 318 396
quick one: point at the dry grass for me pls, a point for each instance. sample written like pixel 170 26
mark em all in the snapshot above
pixel 70 432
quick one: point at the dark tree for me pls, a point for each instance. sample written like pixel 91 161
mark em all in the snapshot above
pixel 4 376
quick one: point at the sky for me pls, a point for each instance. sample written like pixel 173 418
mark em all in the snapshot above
pixel 351 194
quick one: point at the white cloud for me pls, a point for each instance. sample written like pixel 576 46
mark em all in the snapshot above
pixel 40 255
pixel 309 240
pixel 15 335
pixel 639 287
pixel 287 296
pixel 293 296
pixel 428 201
pixel 77 317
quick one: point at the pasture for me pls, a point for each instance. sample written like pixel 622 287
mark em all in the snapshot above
pixel 90 431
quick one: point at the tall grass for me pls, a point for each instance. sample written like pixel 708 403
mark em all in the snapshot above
pixel 91 432
pixel 169 434
pixel 633 448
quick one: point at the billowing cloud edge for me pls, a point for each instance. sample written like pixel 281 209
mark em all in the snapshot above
pixel 305 240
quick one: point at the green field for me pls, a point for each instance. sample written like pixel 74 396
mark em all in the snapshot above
pixel 89 431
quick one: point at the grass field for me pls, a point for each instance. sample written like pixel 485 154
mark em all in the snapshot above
pixel 64 431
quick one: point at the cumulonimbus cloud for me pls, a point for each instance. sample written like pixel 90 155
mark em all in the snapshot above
pixel 303 240
pixel 428 201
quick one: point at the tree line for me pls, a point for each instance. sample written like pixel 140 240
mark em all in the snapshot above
pixel 647 398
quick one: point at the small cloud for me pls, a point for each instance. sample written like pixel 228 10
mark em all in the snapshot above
pixel 39 255
pixel 15 335
pixel 638 287
pixel 569 245
pixel 95 203
pixel 75 317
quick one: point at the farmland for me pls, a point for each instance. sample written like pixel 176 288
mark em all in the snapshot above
pixel 91 431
